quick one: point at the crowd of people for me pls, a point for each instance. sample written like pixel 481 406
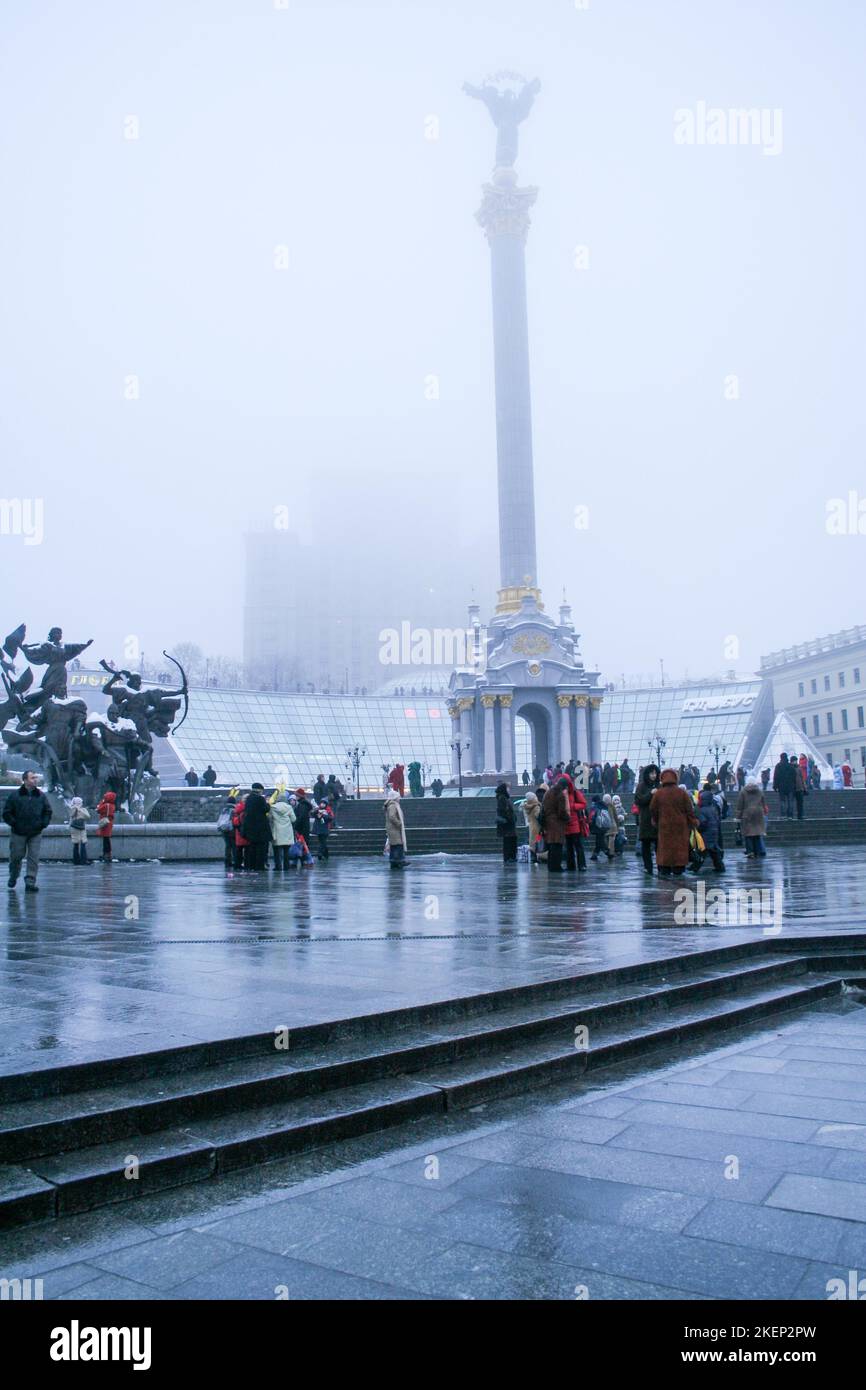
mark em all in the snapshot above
pixel 284 824
pixel 577 813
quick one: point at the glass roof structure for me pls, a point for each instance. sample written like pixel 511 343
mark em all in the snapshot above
pixel 690 718
pixel 786 736
pixel 252 735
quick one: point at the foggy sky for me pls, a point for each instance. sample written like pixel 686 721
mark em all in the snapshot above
pixel 305 128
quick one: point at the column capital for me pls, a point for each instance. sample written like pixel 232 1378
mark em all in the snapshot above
pixel 505 701
pixel 465 703
pixel 504 207
pixel 581 701
pixel 488 701
pixel 564 701
pixel 595 701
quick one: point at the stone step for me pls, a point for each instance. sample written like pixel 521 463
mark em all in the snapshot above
pixel 74 1119
pixel 96 1175
pixel 77 1149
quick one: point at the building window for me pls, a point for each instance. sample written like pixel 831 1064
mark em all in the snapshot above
pixel 856 675
pixel 844 719
pixel 860 723
pixel 803 726
pixel 829 723
pixel 801 690
pixel 816 727
pixel 814 685
pixel 826 682
pixel 841 680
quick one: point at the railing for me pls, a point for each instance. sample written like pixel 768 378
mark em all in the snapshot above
pixel 817 647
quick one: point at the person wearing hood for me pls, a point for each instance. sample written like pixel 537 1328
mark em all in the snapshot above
pixel 257 829
pixel 106 811
pixel 395 830
pixel 672 813
pixel 752 814
pixel 78 817
pixel 618 813
pixel 506 827
pixel 710 827
pixel 322 827
pixel 242 849
pixel 646 831
pixel 281 819
pixel 577 828
pixel 616 816
pixel 532 816
pixel 554 815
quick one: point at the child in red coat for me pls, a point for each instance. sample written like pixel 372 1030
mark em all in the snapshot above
pixel 106 811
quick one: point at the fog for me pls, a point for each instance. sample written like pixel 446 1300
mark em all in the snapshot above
pixel 242 272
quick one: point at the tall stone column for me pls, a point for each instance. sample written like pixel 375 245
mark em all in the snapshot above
pixel 488 761
pixel 506 735
pixel 504 215
pixel 594 729
pixel 564 702
pixel 465 707
pixel 581 750
pixel 454 712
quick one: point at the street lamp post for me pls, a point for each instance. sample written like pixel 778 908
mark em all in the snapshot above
pixel 459 746
pixel 354 756
pixel 657 743
pixel 715 749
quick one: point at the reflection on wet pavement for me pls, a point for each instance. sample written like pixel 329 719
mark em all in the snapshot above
pixel 134 956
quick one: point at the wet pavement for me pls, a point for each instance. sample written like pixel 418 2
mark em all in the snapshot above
pixel 740 1174
pixel 108 960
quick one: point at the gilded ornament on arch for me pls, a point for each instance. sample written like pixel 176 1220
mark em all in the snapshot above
pixel 531 644
pixel 533 668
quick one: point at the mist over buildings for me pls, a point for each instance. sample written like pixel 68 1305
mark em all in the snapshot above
pixel 243 275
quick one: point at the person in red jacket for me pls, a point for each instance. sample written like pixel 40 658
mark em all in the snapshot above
pixel 105 813
pixel 242 846
pixel 395 777
pixel 578 827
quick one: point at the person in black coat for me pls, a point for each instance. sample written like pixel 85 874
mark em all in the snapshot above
pixel 302 815
pixel 506 826
pixel 783 784
pixel 27 812
pixel 646 832
pixel 208 777
pixel 257 827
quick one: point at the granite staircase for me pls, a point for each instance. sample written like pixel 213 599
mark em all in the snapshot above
pixel 86 1135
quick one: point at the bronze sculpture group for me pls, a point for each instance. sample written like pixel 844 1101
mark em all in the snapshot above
pixel 83 752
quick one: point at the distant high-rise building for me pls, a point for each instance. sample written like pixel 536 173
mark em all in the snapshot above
pixel 316 615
